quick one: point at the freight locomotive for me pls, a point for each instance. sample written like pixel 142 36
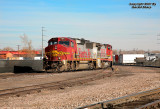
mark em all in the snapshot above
pixel 69 54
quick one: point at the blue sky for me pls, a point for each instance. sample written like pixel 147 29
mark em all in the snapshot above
pixel 105 21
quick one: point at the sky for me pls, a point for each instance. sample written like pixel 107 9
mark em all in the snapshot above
pixel 106 21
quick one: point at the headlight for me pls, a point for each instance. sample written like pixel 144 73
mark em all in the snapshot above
pixel 55 47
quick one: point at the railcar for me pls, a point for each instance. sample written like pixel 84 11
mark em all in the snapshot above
pixel 69 54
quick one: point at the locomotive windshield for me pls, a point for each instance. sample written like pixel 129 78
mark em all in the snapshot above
pixel 64 43
pixel 52 42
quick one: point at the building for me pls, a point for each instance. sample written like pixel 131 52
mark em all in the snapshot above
pixel 15 55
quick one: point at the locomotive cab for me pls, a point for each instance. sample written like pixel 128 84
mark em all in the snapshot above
pixel 59 51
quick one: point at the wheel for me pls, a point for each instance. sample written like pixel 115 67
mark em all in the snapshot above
pixel 73 66
pixel 91 66
pixel 54 67
pixel 53 70
pixel 46 68
pixel 102 65
pixel 58 69
pixel 68 66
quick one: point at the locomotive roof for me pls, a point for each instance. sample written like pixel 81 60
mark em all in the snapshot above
pixel 82 39
pixel 60 37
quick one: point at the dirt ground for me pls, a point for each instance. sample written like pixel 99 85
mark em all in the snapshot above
pixel 125 80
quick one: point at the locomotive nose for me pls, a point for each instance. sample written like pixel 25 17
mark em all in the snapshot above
pixel 56 52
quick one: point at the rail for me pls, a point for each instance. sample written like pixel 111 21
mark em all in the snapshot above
pixel 130 102
pixel 18 91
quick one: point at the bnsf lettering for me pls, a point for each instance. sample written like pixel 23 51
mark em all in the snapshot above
pixel 84 54
pixel 89 54
pixel 103 51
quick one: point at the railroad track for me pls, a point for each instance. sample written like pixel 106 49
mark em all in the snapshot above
pixel 42 73
pixel 143 100
pixel 19 91
pixel 20 74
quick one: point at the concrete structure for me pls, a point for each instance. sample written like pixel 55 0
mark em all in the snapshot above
pixel 8 65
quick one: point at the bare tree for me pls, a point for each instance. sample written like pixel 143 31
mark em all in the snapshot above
pixel 30 52
pixel 155 51
pixel 115 51
pixel 120 51
pixel 134 51
pixel 7 49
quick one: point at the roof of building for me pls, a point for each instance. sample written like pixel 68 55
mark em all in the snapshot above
pixel 16 52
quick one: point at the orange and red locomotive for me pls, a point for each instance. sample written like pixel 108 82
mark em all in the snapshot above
pixel 65 54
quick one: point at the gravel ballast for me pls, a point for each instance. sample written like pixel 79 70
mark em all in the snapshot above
pixel 125 80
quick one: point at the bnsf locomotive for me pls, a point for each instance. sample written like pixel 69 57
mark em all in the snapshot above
pixel 66 54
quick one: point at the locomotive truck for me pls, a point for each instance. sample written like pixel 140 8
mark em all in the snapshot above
pixel 69 54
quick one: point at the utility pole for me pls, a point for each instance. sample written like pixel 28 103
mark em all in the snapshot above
pixel 158 38
pixel 18 49
pixel 42 41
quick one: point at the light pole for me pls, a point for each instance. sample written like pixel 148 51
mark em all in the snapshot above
pixel 42 40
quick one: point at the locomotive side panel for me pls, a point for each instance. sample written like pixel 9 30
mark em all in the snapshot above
pixel 84 51
pixel 95 51
pixel 103 52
